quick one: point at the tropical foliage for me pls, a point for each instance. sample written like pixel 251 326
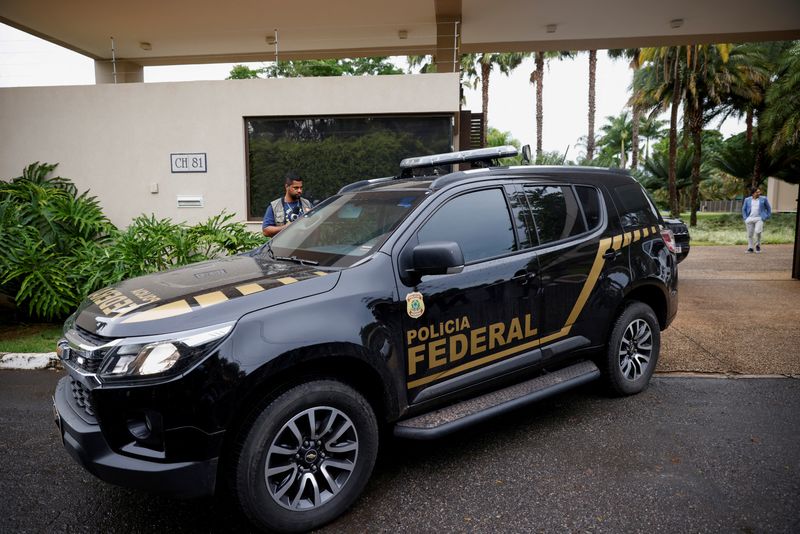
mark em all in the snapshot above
pixel 58 246
pixel 317 67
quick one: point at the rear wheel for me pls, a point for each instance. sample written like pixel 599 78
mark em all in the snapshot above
pixel 633 349
pixel 306 457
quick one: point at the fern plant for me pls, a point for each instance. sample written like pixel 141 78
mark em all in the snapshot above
pixel 57 246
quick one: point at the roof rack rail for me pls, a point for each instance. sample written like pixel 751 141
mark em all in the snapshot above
pixel 488 156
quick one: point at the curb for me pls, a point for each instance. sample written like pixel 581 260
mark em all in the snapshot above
pixel 29 361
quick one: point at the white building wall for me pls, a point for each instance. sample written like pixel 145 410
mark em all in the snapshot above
pixel 116 140
pixel 782 195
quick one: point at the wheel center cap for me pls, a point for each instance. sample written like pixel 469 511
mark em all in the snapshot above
pixel 310 456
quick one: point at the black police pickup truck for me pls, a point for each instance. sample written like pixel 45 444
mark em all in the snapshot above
pixel 419 304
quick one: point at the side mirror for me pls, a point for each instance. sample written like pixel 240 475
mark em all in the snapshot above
pixel 526 154
pixel 437 257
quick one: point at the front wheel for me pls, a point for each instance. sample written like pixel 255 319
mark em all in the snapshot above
pixel 306 457
pixel 633 349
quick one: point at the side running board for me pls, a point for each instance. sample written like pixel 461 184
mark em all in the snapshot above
pixel 433 425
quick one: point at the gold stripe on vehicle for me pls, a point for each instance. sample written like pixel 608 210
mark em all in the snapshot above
pixel 627 239
pixel 247 289
pixel 320 273
pixel 645 232
pixel 588 286
pixel 637 235
pixel 287 280
pixel 161 312
pixel 616 244
pixel 209 299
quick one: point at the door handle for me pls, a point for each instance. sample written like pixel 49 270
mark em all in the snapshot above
pixel 524 277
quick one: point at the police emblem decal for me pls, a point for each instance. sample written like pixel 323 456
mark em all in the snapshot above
pixel 415 306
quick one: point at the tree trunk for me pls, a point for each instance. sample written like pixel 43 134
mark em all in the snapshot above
pixel 592 76
pixel 696 123
pixel 673 147
pixel 539 81
pixel 486 69
pixel 748 120
pixel 637 113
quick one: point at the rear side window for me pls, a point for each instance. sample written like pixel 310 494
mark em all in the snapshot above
pixel 556 212
pixel 479 222
pixel 636 208
pixel 590 200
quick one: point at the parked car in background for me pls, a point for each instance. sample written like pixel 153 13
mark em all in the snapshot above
pixel 682 238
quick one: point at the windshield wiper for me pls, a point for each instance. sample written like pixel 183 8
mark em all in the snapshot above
pixel 295 259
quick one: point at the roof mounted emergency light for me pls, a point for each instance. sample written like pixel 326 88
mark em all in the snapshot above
pixel 464 156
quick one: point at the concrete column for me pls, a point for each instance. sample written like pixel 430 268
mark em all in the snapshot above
pixel 127 72
pixel 448 44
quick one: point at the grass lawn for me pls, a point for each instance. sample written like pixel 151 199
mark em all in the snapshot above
pixel 729 229
pixel 35 337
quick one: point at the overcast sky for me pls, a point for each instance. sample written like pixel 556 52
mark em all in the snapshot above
pixel 26 60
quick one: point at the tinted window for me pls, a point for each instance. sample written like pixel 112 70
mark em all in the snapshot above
pixel 479 222
pixel 526 229
pixel 636 209
pixel 590 201
pixel 555 212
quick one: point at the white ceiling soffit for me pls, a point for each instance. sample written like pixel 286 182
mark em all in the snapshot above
pixel 154 32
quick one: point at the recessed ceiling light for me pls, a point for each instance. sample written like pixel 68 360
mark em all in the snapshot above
pixel 145 46
pixel 675 23
pixel 551 28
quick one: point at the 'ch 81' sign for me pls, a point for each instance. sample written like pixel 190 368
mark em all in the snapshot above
pixel 188 162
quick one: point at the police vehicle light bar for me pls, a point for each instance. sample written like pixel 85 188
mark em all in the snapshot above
pixel 464 156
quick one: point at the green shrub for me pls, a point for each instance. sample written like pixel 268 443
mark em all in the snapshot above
pixel 57 246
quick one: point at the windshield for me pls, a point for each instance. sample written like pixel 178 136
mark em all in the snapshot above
pixel 345 228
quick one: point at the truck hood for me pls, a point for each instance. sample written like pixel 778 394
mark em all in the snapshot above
pixel 198 295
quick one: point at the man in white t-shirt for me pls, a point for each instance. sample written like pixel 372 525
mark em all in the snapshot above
pixel 755 210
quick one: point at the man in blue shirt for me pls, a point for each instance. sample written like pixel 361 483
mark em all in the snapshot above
pixel 755 210
pixel 282 211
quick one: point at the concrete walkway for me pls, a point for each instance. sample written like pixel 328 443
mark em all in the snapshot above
pixel 739 314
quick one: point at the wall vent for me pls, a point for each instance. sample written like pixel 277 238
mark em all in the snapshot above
pixel 190 201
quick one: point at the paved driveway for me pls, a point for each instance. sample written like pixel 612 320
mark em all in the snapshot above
pixel 739 314
pixel 687 455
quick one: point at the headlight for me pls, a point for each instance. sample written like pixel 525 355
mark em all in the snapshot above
pixel 151 356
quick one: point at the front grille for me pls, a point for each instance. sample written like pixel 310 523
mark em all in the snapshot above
pixel 82 396
pixel 93 338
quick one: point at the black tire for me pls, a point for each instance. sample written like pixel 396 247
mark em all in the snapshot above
pixel 327 468
pixel 632 351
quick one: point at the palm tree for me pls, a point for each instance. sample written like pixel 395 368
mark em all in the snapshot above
pixel 656 92
pixel 657 172
pixel 505 63
pixel 782 113
pixel 537 78
pixel 592 80
pixel 631 54
pixel 615 141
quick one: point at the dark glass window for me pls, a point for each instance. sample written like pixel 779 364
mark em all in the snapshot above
pixel 555 212
pixel 329 152
pixel 637 210
pixel 590 200
pixel 479 222
pixel 526 229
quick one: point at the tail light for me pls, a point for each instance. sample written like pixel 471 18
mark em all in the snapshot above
pixel 669 239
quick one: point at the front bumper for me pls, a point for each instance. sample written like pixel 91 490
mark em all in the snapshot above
pixel 85 442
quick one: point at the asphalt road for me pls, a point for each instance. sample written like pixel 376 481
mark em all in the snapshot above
pixel 687 455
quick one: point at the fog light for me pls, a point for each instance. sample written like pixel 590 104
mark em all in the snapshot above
pixel 148 429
